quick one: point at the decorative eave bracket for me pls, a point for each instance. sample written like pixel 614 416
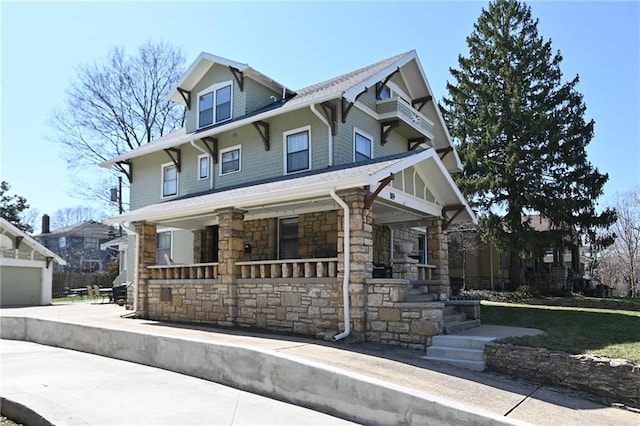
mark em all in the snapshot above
pixel 444 151
pixel 346 105
pixel 127 168
pixel 239 76
pixel 263 130
pixel 19 239
pixel 49 259
pixel 414 143
pixel 384 83
pixel 174 154
pixel 186 95
pixel 211 144
pixel 421 102
pixel 330 113
pixel 386 128
pixel 370 197
pixel 457 208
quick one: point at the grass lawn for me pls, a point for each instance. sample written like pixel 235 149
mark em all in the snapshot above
pixel 578 330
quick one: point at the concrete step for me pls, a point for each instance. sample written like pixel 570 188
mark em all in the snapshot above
pixel 449 318
pixel 460 325
pixel 456 353
pixel 470 365
pixel 419 290
pixel 462 342
pixel 424 297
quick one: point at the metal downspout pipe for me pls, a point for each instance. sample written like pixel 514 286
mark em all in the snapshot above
pixel 329 135
pixel 136 262
pixel 347 265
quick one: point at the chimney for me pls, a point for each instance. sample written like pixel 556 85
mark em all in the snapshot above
pixel 45 224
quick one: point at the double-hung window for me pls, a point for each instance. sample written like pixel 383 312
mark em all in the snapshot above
pixel 203 166
pixel 362 146
pixel 297 149
pixel 169 180
pixel 230 160
pixel 288 238
pixel 163 248
pixel 214 104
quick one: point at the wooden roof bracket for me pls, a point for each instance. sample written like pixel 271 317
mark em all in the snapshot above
pixel 386 128
pixel 414 143
pixel 444 151
pixel 49 260
pixel 263 130
pixel 370 197
pixel 384 83
pixel 213 148
pixel 239 76
pixel 346 105
pixel 330 113
pixel 421 102
pixel 19 239
pixel 174 154
pixel 457 208
pixel 186 95
pixel 129 166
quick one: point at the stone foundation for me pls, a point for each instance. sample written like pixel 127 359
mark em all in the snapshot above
pixel 616 380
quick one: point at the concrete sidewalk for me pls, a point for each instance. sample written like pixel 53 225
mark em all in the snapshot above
pixel 303 370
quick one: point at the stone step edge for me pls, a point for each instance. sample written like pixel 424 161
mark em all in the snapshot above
pixel 472 365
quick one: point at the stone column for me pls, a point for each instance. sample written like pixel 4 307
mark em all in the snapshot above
pixel 147 247
pixel 230 250
pixel 361 257
pixel 438 255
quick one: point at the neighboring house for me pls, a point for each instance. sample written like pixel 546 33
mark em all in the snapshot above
pixel 271 208
pixel 552 262
pixel 79 245
pixel 25 268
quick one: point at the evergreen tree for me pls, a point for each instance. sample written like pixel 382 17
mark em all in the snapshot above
pixel 11 208
pixel 520 132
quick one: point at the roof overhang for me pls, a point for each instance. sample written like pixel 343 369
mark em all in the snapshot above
pixel 307 193
pixel 8 228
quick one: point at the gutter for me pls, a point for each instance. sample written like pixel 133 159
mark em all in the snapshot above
pixel 347 266
pixel 329 135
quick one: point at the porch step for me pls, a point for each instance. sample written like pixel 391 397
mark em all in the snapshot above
pixel 421 297
pixel 452 327
pixel 460 351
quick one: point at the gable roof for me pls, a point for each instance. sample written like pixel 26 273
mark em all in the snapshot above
pixel 305 186
pixel 89 228
pixel 205 60
pixel 348 85
pixel 8 228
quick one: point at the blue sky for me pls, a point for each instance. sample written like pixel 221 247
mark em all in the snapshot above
pixel 297 44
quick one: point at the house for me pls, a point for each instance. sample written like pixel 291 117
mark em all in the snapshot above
pixel 79 244
pixel 552 260
pixel 318 211
pixel 25 268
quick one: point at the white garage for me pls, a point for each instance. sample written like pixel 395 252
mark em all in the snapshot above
pixel 26 269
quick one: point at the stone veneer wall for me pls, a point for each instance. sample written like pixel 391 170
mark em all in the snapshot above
pixel 262 235
pixel 618 380
pixel 318 235
pixel 393 321
pixel 382 243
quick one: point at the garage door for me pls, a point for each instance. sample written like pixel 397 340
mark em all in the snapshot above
pixel 20 285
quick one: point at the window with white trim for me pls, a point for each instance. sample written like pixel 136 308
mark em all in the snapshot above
pixel 362 146
pixel 288 238
pixel 90 242
pixel 169 180
pixel 203 166
pixel 215 104
pixel 163 247
pixel 230 160
pixel 391 90
pixel 297 149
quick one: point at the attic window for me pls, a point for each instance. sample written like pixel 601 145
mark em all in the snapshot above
pixel 215 104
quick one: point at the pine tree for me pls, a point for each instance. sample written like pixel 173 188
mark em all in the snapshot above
pixel 520 132
pixel 11 208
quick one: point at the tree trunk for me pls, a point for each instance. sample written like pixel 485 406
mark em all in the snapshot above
pixel 515 269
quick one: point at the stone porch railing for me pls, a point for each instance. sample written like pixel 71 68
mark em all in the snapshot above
pixel 195 271
pixel 290 268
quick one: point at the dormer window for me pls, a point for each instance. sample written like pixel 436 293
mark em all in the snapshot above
pixel 385 92
pixel 214 104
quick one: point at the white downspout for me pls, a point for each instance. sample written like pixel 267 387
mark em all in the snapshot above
pixel 193 143
pixel 347 265
pixel 136 262
pixel 329 135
